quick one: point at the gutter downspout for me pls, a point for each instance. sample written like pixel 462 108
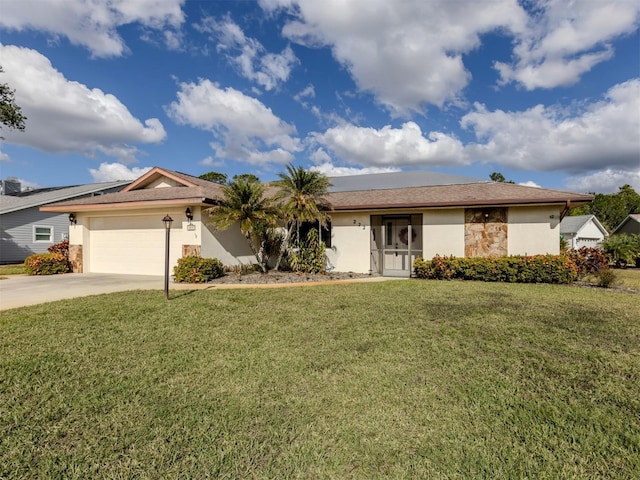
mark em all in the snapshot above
pixel 565 210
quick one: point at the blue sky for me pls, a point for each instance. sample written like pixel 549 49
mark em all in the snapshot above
pixel 545 92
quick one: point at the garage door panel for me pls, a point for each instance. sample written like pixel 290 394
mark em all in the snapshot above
pixel 130 245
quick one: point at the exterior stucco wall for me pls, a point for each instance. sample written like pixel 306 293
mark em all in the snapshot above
pixel 533 230
pixel 443 232
pixel 229 246
pixel 351 249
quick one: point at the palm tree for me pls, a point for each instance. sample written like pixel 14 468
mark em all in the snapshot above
pixel 301 199
pixel 244 202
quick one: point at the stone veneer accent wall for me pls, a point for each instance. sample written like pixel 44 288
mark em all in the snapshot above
pixel 75 258
pixel 485 232
pixel 190 250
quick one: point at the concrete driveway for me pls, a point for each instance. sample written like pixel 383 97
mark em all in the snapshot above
pixel 22 290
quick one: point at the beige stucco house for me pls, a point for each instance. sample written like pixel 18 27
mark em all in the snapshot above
pixel 380 223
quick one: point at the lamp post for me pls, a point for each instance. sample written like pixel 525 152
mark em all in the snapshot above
pixel 167 224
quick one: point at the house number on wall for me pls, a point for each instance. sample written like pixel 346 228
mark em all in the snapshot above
pixel 191 227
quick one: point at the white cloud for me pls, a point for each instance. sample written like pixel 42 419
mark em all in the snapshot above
pixel 111 172
pixel 420 44
pixel 244 129
pixel 392 147
pixel 210 162
pixel 308 92
pixel 93 24
pixel 603 133
pixel 567 39
pixel 605 181
pixel 248 55
pixel 413 43
pixel 331 170
pixel 67 116
pixel 529 183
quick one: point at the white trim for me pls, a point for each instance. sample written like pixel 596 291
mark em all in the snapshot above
pixel 51 234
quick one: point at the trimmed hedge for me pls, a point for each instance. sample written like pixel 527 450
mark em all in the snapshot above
pixel 47 264
pixel 515 269
pixel 193 269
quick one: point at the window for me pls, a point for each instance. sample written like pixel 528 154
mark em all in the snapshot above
pixel 42 234
pixel 324 232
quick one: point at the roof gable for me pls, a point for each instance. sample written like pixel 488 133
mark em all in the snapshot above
pixel 160 178
pixel 632 217
pixel 158 186
pixel 573 224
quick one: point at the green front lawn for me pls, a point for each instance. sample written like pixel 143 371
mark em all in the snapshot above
pixel 400 379
pixel 14 269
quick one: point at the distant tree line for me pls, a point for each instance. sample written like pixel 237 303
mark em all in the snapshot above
pixel 611 208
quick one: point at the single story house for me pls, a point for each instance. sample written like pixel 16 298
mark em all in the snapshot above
pixel 380 223
pixel 25 230
pixel 582 231
pixel 630 225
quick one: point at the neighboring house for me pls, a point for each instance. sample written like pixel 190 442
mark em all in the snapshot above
pixel 379 223
pixel 582 231
pixel 630 225
pixel 25 230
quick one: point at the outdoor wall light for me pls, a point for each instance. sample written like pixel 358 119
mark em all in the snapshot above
pixel 72 219
pixel 486 216
pixel 189 215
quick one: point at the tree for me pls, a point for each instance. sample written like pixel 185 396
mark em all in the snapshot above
pixel 301 198
pixel 215 177
pixel 245 202
pixel 246 176
pixel 10 113
pixel 612 208
pixel 498 177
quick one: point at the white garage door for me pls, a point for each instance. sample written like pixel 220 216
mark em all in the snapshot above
pixel 131 245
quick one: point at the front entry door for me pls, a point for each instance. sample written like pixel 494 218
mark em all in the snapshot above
pixel 402 244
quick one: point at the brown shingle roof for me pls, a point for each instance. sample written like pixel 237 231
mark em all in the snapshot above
pixel 198 191
pixel 471 194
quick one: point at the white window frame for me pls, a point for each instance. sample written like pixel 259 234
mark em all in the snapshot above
pixel 51 234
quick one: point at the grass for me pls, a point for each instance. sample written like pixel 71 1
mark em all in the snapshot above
pixel 628 277
pixel 404 379
pixel 12 269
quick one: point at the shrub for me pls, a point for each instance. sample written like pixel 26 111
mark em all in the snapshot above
pixel 589 260
pixel 623 248
pixel 515 269
pixel 62 247
pixel 310 257
pixel 606 278
pixel 193 269
pixel 47 264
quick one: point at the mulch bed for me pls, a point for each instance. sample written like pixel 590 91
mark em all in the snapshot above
pixel 286 277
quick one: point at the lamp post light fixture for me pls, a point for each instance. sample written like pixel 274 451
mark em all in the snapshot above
pixel 167 224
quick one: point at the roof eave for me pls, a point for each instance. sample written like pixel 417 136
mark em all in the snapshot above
pixel 128 205
pixel 469 204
